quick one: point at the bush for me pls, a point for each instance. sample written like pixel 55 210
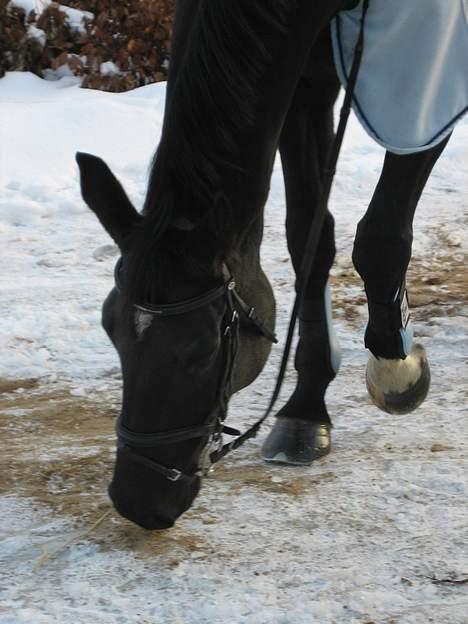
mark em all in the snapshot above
pixel 113 46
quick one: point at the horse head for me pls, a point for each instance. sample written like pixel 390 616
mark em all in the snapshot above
pixel 182 353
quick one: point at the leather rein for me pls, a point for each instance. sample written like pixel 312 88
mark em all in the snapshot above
pixel 236 310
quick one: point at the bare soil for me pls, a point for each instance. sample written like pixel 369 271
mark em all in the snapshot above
pixel 437 287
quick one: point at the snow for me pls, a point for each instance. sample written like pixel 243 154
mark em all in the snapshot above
pixel 109 68
pixel 37 33
pixel 75 17
pixel 30 5
pixel 358 537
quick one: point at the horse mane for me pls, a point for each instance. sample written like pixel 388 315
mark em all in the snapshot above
pixel 227 49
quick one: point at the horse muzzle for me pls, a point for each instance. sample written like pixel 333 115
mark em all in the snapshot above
pixel 146 497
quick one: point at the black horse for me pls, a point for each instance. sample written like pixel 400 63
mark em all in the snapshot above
pixel 246 78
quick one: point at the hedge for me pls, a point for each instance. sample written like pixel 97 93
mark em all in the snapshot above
pixel 112 46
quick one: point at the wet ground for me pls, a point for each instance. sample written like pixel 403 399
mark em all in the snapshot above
pixel 59 447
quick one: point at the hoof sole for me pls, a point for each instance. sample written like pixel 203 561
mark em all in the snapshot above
pixel 296 442
pixel 399 386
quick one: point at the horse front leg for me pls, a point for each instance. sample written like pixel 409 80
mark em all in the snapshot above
pixel 398 374
pixel 302 429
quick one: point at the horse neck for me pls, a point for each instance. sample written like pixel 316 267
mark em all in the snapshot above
pixel 183 248
pixel 229 232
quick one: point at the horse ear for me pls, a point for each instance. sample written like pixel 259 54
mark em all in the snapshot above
pixel 106 197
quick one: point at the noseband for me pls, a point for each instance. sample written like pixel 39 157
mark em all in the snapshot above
pixel 237 312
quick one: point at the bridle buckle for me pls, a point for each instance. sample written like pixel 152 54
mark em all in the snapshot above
pixel 214 444
pixel 173 474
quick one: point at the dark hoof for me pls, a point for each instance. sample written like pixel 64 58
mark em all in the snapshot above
pixel 295 441
pixel 399 386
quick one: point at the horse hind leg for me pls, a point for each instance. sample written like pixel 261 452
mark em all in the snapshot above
pixel 302 431
pixel 398 374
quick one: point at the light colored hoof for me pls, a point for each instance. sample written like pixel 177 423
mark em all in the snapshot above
pixel 399 386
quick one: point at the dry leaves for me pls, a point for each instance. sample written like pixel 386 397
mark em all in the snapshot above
pixel 134 35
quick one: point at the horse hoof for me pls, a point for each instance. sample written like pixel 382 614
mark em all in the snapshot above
pixel 399 386
pixel 295 441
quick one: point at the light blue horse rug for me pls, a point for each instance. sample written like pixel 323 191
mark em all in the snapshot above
pixel 412 84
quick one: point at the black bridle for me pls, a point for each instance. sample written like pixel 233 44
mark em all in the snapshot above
pixel 237 312
pixel 237 309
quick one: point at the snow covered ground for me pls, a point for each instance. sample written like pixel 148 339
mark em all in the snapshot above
pixel 375 532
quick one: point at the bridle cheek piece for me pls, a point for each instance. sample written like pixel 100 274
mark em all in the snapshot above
pixel 236 311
